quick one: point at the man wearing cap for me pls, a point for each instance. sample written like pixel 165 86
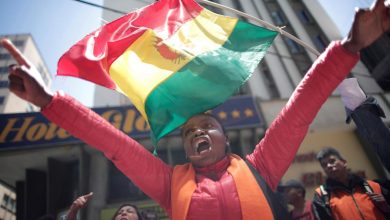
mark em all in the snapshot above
pixel 345 195
pixel 295 192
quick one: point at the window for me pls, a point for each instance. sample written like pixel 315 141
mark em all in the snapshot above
pixel 4 70
pixel 120 188
pixel 18 43
pixel 42 72
pixel 5 56
pixel 5 201
pixel 41 69
pixel 243 90
pixel 278 18
pixel 13 206
pixel 3 84
pixel 269 81
pixel 294 47
pixel 305 17
pixel 8 203
pixel 29 108
pixel 320 42
pixel 2 99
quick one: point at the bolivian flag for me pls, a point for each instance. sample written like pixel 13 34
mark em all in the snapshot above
pixel 173 59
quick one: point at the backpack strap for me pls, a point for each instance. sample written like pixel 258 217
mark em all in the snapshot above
pixel 324 195
pixel 278 209
pixel 367 187
pixel 325 198
pixel 381 204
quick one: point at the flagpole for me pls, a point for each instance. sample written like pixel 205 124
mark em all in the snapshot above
pixel 262 23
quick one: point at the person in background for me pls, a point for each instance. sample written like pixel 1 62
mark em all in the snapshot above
pixel 214 184
pixel 294 193
pixel 366 114
pixel 124 212
pixel 345 195
pixel 77 204
pixel 127 212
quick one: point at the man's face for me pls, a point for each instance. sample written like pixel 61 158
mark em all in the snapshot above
pixel 334 167
pixel 204 140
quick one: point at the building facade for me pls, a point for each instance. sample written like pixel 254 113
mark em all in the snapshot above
pixel 8 202
pixel 377 59
pixel 10 103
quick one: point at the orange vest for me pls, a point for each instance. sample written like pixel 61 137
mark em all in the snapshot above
pixel 351 206
pixel 252 200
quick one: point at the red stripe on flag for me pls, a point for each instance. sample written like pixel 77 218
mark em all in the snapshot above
pixel 165 17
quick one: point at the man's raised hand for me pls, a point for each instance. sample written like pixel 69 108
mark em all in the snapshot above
pixel 368 26
pixel 24 80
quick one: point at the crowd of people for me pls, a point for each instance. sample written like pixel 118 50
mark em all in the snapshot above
pixel 216 184
pixel 344 195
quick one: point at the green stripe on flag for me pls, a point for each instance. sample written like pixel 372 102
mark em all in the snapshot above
pixel 208 80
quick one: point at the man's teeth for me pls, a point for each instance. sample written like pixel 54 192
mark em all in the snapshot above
pixel 209 149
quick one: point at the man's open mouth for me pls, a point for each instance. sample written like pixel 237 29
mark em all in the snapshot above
pixel 202 145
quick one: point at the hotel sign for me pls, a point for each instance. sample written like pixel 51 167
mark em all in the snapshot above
pixel 33 129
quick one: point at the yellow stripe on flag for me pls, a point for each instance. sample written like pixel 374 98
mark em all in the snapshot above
pixel 151 60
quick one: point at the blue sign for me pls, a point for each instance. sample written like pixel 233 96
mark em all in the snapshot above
pixel 238 112
pixel 33 129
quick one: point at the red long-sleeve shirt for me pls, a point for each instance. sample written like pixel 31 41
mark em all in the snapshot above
pixel 216 198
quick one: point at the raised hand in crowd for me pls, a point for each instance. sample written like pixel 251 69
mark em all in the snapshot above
pixel 77 204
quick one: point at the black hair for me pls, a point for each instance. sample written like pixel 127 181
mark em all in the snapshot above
pixel 296 184
pixel 131 205
pixel 303 190
pixel 328 151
